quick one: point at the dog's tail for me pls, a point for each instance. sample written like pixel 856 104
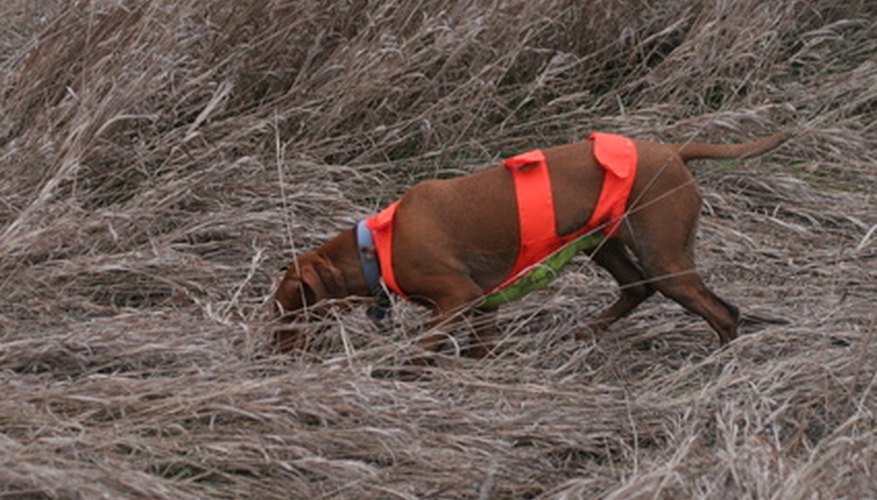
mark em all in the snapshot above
pixel 698 150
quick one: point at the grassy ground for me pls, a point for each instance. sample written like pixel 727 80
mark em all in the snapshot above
pixel 160 160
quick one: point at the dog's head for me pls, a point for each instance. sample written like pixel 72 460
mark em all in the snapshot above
pixel 309 280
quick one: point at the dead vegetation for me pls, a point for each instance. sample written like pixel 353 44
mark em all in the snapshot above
pixel 161 160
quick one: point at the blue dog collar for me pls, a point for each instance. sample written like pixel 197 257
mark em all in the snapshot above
pixel 367 257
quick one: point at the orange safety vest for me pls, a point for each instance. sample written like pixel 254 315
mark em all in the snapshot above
pixel 616 154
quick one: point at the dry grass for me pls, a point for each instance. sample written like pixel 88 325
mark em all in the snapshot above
pixel 161 159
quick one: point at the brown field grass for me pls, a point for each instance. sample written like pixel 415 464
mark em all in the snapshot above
pixel 160 160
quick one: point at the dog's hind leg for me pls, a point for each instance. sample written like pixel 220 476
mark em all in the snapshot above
pixel 613 257
pixel 678 280
pixel 663 241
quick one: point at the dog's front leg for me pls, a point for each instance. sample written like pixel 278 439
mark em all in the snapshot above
pixel 634 287
pixel 484 329
pixel 440 331
pixel 480 322
pixel 436 340
pixel 453 302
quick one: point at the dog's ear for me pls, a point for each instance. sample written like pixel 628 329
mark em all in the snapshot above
pixel 292 293
pixel 333 280
pixel 324 279
pixel 314 283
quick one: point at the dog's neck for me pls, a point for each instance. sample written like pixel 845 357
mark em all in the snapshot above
pixel 344 255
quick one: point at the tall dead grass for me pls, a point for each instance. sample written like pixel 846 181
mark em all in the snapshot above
pixel 160 160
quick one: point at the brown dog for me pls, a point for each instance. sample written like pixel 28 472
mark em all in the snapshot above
pixel 456 238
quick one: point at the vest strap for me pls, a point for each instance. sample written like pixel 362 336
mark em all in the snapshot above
pixel 381 226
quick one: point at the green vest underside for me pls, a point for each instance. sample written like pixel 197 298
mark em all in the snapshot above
pixel 541 274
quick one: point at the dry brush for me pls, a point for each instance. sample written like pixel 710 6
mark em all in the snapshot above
pixel 160 160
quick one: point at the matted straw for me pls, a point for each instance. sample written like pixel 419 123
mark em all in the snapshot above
pixel 162 159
